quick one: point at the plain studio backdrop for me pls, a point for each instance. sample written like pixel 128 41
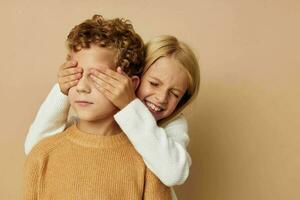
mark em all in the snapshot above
pixel 244 126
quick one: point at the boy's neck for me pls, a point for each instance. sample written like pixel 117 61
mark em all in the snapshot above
pixel 102 127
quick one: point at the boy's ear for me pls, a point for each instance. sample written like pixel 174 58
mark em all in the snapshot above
pixel 68 57
pixel 135 82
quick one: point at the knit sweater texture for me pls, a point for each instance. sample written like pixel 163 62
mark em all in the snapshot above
pixel 75 165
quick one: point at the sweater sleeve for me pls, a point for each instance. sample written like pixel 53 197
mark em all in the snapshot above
pixel 163 149
pixel 154 189
pixel 50 119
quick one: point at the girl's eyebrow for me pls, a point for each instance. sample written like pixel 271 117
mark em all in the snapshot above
pixel 156 79
pixel 179 90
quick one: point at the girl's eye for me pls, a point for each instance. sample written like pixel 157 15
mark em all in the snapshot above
pixel 153 83
pixel 177 96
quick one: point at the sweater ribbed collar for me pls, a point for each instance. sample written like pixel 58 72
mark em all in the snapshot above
pixel 96 141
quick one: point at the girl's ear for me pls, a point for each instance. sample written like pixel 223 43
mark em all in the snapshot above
pixel 135 82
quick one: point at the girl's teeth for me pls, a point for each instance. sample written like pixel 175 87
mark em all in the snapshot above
pixel 153 107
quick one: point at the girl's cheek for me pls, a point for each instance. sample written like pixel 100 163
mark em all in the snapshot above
pixel 145 90
pixel 175 103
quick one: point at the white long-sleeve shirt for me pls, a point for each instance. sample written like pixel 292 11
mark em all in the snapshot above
pixel 163 149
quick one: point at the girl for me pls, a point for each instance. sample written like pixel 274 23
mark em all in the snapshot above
pixel 163 93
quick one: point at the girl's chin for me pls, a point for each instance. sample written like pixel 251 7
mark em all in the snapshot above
pixel 157 116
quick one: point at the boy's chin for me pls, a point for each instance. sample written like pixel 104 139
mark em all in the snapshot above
pixel 89 118
pixel 93 118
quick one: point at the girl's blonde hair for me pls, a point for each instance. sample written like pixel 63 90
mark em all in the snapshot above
pixel 170 46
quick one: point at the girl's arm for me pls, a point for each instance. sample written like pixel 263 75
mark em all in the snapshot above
pixel 50 119
pixel 163 149
pixel 53 114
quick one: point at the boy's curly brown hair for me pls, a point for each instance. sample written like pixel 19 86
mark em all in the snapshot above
pixel 117 34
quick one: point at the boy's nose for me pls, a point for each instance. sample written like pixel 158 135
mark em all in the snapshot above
pixel 83 85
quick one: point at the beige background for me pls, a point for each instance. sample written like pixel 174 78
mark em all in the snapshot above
pixel 244 127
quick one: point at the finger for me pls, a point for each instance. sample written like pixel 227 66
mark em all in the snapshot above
pixel 120 71
pixel 124 78
pixel 105 91
pixel 127 80
pixel 121 81
pixel 108 95
pixel 68 64
pixel 103 84
pixel 70 84
pixel 113 74
pixel 99 75
pixel 70 78
pixel 70 71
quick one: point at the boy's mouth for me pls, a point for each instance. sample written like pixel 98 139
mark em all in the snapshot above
pixel 83 103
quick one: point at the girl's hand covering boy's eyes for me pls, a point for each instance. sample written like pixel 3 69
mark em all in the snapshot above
pixel 115 85
pixel 68 75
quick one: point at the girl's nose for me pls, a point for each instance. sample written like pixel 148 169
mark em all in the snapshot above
pixel 162 97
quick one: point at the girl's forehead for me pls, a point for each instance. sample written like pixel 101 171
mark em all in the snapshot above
pixel 169 72
pixel 165 67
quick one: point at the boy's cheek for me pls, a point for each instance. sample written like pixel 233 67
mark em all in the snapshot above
pixel 71 94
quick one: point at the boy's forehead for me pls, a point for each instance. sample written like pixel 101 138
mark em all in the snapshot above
pixel 95 57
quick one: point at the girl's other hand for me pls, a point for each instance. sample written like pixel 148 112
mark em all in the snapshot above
pixel 68 75
pixel 115 85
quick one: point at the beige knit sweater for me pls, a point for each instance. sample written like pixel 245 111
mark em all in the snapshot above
pixel 75 165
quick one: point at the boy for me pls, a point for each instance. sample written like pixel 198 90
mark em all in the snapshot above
pixel 93 159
